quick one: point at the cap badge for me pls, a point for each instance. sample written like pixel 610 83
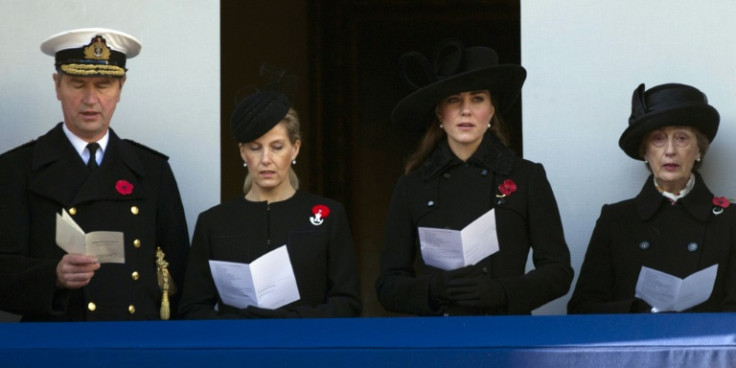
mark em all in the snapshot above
pixel 97 49
pixel 320 212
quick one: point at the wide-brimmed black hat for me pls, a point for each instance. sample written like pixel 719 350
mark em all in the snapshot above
pixel 455 69
pixel 671 104
pixel 257 113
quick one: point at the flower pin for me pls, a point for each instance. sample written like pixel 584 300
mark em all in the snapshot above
pixel 124 187
pixel 506 188
pixel 320 212
pixel 719 204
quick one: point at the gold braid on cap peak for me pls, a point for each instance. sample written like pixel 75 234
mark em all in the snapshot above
pixel 93 69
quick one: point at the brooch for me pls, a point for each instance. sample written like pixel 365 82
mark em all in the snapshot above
pixel 505 189
pixel 124 187
pixel 320 212
pixel 719 203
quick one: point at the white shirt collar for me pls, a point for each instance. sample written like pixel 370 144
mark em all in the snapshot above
pixel 80 145
pixel 674 197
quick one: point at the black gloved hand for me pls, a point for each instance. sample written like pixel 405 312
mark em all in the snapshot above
pixel 476 290
pixel 439 282
pixel 256 312
pixel 640 306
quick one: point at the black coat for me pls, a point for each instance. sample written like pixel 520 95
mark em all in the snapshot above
pixel 448 193
pixel 38 180
pixel 650 231
pixel 322 256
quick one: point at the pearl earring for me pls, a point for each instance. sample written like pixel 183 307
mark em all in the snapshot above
pixel 489 125
pixel 442 126
pixel 245 164
pixel 697 159
pixel 293 162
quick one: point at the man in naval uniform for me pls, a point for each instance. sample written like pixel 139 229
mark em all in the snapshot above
pixel 104 183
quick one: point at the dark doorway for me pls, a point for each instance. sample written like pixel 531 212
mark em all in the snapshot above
pixel 345 55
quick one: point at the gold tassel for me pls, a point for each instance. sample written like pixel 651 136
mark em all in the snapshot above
pixel 164 282
pixel 165 312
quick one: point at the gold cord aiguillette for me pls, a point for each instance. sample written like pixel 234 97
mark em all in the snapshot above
pixel 165 282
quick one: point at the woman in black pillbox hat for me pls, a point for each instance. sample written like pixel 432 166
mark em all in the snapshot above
pixel 273 213
pixel 674 226
pixel 461 171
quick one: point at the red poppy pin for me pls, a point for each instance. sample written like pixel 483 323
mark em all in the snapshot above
pixel 124 187
pixel 720 203
pixel 506 188
pixel 320 213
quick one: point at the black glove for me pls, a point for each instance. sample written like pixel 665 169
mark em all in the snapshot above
pixel 640 306
pixel 439 282
pixel 476 290
pixel 255 312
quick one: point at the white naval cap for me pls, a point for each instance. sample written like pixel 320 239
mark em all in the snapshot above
pixel 92 51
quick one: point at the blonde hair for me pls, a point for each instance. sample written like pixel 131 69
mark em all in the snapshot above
pixel 291 123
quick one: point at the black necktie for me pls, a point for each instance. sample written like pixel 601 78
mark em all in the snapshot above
pixel 92 162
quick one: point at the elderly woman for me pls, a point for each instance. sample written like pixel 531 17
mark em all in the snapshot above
pixel 273 213
pixel 675 225
pixel 461 171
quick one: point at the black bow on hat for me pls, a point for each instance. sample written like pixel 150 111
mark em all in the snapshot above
pixel 671 104
pixel 455 69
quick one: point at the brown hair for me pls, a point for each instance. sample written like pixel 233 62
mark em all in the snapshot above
pixel 434 134
pixel 291 123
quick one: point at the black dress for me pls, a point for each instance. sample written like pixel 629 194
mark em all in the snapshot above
pixel 322 255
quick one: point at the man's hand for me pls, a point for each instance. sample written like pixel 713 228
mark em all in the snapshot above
pixel 75 271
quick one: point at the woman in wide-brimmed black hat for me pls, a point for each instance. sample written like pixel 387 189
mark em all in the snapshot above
pixel 461 171
pixel 675 225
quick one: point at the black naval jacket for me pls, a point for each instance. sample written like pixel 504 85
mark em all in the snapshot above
pixel 321 253
pixel 38 180
pixel 679 239
pixel 448 193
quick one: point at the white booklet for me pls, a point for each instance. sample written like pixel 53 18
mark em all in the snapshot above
pixel 268 282
pixel 107 246
pixel 451 249
pixel 666 293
